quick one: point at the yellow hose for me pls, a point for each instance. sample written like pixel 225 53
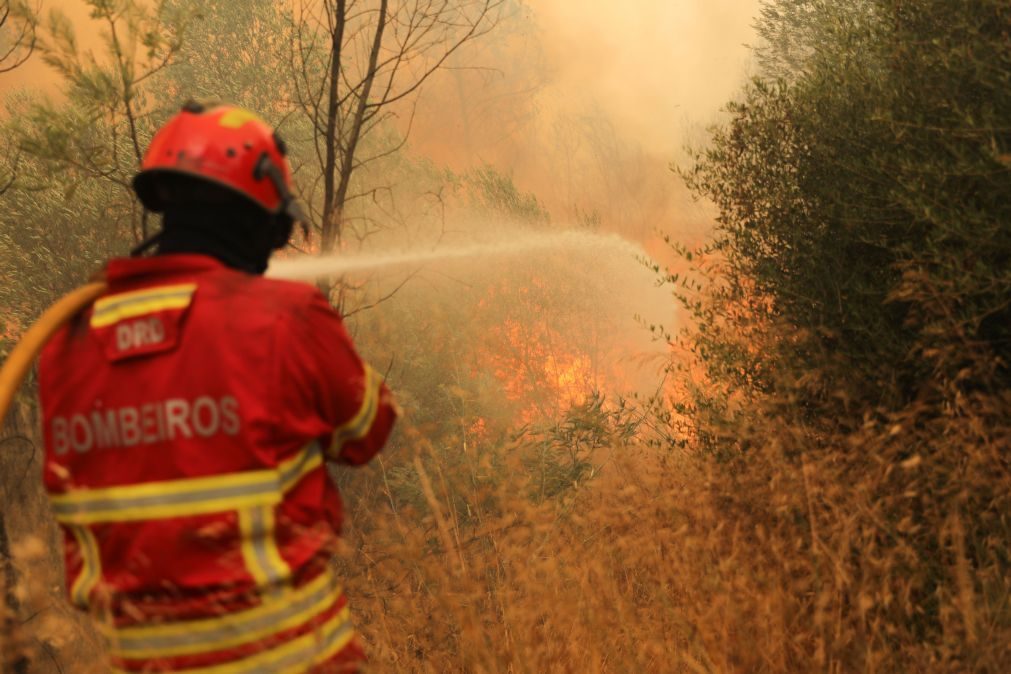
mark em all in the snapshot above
pixel 16 367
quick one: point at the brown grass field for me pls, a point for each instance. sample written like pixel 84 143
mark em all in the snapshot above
pixel 811 560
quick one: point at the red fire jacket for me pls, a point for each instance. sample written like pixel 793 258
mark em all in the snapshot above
pixel 188 415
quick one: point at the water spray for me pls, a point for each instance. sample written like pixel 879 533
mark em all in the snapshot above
pixel 305 268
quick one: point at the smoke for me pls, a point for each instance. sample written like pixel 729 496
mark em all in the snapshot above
pixel 584 104
pixel 587 105
pixel 651 64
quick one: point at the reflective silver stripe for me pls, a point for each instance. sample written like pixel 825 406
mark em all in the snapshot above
pixel 359 425
pixel 114 308
pixel 307 461
pixel 313 651
pixel 228 631
pixel 292 657
pixel 258 533
pixel 154 500
pixel 270 569
pixel 179 498
pixel 359 431
pixel 91 566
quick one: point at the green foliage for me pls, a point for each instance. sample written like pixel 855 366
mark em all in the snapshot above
pixel 58 223
pixel 497 194
pixel 71 206
pixel 139 41
pixel 564 454
pixel 864 195
pixel 231 54
pixel 851 353
pixel 801 36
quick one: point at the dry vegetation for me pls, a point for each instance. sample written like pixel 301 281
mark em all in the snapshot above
pixel 822 482
pixel 880 550
pixel 39 630
pixel 812 554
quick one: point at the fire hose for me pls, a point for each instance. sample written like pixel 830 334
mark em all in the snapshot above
pixel 19 362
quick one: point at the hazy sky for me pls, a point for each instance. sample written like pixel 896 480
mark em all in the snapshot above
pixel 592 104
pixel 590 101
pixel 653 64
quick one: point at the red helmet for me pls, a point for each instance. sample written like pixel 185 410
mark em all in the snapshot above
pixel 225 145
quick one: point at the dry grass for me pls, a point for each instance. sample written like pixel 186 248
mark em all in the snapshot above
pixel 39 631
pixel 881 551
pixel 577 584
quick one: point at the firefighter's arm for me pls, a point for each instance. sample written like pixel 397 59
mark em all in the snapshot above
pixel 349 398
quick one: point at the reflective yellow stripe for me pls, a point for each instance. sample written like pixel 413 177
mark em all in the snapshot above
pixel 294 469
pixel 91 566
pixel 358 426
pixel 114 308
pixel 181 498
pixel 330 646
pixel 109 301
pixel 293 656
pixel 177 498
pixel 259 548
pixel 291 609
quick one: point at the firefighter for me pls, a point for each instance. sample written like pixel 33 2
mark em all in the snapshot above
pixel 189 416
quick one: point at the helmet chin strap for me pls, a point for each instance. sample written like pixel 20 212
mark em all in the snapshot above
pixel 266 168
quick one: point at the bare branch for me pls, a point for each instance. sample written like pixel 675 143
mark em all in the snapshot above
pixel 23 44
pixel 13 176
pixel 353 63
pixel 382 298
pixel 472 33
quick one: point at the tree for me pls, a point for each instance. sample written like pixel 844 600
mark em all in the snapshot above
pixel 18 30
pixel 854 332
pixel 793 35
pixel 876 153
pixel 230 54
pixel 114 103
pixel 72 205
pixel 18 36
pixel 357 65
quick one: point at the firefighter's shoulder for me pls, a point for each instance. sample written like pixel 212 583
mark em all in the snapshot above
pixel 282 298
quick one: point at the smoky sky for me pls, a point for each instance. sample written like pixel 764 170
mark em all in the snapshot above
pixel 583 102
pixel 587 104
pixel 654 65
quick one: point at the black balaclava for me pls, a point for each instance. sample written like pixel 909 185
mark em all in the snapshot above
pixel 208 219
pixel 241 236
